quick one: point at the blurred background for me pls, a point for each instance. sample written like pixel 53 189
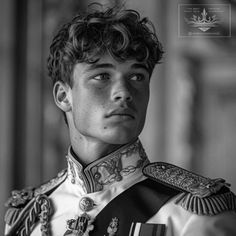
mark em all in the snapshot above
pixel 191 119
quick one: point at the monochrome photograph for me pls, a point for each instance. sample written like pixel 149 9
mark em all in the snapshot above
pixel 118 118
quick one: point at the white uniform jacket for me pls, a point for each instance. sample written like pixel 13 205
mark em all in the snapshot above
pixel 122 194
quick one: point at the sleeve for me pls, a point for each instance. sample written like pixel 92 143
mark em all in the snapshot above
pixel 223 224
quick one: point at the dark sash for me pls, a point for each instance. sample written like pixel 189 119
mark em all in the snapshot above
pixel 137 204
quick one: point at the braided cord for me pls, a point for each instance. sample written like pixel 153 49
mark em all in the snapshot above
pixel 44 216
pixel 41 209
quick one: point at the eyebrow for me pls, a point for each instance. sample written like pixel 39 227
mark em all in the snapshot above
pixel 140 66
pixel 101 65
pixel 109 65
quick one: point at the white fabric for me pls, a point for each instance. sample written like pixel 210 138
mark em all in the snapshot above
pixel 178 221
pixel 67 196
pixel 66 202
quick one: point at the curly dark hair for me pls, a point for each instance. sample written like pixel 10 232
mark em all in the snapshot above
pixel 122 33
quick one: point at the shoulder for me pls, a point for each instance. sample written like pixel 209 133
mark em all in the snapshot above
pixel 198 194
pixel 29 202
pixel 182 222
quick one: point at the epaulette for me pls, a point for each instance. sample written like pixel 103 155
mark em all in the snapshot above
pixel 26 206
pixel 198 194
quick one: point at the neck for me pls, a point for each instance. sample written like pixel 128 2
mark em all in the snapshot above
pixel 89 149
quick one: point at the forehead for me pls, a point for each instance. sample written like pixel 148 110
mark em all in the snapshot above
pixel 108 62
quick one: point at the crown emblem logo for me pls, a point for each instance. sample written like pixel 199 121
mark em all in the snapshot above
pixel 203 22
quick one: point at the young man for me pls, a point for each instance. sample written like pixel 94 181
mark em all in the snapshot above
pixel 100 65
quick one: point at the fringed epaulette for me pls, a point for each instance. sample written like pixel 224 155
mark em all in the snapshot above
pixel 26 206
pixel 199 195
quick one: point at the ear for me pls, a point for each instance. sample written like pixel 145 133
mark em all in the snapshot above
pixel 62 96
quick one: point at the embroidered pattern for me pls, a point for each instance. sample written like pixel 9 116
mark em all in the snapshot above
pixel 114 167
pixel 200 194
pixel 113 227
pixel 52 183
pixel 110 169
pixel 79 227
pixel 41 208
pixel 83 224
pixel 182 179
pixel 20 197
pixel 29 205
pixel 72 171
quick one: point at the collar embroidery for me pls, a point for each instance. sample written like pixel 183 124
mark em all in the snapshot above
pixel 109 169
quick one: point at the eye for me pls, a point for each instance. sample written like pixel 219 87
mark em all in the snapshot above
pixel 102 77
pixel 137 77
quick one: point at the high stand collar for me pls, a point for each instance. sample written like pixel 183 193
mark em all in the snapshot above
pixel 108 170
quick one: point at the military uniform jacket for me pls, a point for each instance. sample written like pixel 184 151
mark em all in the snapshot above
pixel 122 194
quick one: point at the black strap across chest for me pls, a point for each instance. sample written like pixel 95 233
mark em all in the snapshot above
pixel 137 204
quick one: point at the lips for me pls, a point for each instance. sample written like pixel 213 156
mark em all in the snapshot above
pixel 121 113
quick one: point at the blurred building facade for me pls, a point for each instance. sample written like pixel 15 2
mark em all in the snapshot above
pixel 191 118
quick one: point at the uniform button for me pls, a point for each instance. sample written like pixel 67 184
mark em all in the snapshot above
pixel 86 204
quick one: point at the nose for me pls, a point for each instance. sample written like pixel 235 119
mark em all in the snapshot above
pixel 121 93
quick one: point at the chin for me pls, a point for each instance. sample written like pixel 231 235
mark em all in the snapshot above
pixel 121 134
pixel 121 137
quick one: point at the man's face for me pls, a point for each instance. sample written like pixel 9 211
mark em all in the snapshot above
pixel 109 99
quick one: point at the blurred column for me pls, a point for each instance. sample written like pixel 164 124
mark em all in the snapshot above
pixel 34 93
pixel 21 110
pixel 6 102
pixel 27 144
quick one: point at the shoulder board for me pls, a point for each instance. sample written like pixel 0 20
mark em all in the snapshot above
pixel 51 184
pixel 22 200
pixel 200 195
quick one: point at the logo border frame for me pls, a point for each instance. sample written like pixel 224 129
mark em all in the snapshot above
pixel 204 36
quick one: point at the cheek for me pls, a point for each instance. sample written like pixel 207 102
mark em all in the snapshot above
pixel 143 98
pixel 87 107
pixel 96 95
pixel 88 96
